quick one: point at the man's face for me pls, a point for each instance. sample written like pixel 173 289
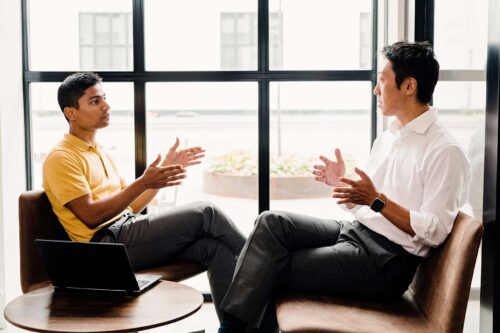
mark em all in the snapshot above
pixel 390 98
pixel 93 111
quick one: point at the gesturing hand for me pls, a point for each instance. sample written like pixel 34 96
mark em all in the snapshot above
pixel 360 192
pixel 158 176
pixel 184 157
pixel 330 171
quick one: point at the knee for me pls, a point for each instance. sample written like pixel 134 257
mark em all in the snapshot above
pixel 207 208
pixel 272 219
pixel 206 250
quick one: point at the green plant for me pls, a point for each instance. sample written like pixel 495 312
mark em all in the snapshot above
pixel 245 163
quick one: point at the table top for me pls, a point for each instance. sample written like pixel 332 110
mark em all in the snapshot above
pixel 46 310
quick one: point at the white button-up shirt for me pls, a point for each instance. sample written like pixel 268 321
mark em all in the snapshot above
pixel 421 167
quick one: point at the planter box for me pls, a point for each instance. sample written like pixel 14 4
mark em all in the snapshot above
pixel 282 188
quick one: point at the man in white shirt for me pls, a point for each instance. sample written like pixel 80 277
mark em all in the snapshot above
pixel 404 203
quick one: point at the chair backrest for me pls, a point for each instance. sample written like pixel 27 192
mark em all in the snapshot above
pixel 441 285
pixel 36 220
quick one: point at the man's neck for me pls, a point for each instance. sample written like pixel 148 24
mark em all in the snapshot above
pixel 86 136
pixel 411 112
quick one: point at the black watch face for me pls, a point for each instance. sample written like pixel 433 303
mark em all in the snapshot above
pixel 377 205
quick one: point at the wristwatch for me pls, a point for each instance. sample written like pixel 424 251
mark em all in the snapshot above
pixel 379 203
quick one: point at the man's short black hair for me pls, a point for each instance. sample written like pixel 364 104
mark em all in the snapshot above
pixel 416 60
pixel 73 87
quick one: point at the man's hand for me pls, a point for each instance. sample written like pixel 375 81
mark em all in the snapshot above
pixel 184 157
pixel 360 192
pixel 330 172
pixel 159 176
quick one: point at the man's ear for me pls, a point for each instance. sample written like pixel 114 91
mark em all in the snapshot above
pixel 69 112
pixel 410 85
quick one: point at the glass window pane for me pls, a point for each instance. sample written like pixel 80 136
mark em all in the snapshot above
pixel 460 35
pixel 189 35
pixel 322 34
pixel 72 26
pixel 49 126
pixel 222 118
pixel 309 119
pixel 462 107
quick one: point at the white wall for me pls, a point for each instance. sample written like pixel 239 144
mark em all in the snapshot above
pixel 12 174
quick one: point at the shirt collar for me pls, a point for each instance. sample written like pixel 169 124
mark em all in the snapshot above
pixel 76 142
pixel 418 125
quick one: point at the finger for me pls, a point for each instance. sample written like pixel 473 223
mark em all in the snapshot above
pixel 169 184
pixel 343 189
pixel 324 159
pixel 194 149
pixel 317 173
pixel 196 157
pixel 361 173
pixel 320 179
pixel 319 167
pixel 156 161
pixel 341 195
pixel 175 145
pixel 172 167
pixel 338 156
pixel 344 201
pixel 193 163
pixel 175 178
pixel 348 181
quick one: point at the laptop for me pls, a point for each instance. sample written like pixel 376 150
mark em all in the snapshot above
pixel 91 266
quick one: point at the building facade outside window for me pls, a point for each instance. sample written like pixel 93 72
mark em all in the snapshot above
pixel 239 40
pixel 105 41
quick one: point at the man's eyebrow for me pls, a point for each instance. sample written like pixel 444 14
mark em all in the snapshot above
pixel 97 96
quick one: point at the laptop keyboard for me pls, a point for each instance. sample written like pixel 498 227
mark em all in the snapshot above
pixel 142 282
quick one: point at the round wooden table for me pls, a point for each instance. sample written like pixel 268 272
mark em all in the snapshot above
pixel 46 310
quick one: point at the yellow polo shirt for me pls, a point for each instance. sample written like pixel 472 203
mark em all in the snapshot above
pixel 72 169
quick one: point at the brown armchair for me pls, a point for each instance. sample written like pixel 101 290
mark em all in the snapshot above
pixel 37 220
pixel 435 302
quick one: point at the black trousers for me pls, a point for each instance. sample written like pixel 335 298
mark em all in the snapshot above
pixel 198 232
pixel 297 252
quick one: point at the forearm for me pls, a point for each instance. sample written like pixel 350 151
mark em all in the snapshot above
pixel 94 213
pixel 398 215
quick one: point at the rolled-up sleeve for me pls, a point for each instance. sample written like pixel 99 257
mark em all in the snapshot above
pixel 446 177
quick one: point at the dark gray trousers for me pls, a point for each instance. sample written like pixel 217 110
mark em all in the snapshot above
pixel 296 252
pixel 198 232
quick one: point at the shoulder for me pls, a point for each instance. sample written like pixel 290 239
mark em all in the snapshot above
pixel 442 145
pixel 63 156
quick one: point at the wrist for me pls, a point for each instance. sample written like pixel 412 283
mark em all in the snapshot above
pixel 141 184
pixel 379 203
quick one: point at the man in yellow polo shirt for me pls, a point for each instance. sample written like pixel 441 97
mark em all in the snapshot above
pixel 93 202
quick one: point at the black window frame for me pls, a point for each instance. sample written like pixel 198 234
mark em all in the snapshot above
pixel 139 77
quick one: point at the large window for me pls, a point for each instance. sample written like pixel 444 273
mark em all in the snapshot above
pixel 256 87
